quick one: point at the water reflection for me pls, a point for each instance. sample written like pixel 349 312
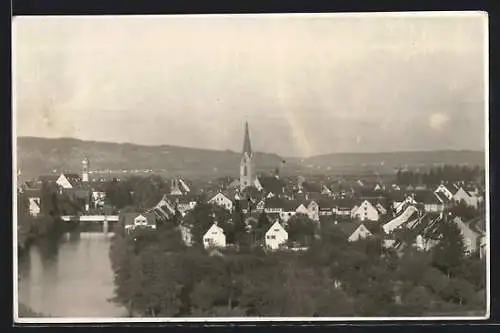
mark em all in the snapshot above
pixel 70 277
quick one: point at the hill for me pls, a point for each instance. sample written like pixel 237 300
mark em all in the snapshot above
pixel 42 155
pixel 387 162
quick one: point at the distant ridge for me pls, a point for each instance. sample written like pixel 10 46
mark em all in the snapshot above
pixel 42 155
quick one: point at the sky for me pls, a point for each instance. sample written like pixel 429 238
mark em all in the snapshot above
pixel 306 84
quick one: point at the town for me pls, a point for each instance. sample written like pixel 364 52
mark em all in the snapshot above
pixel 433 213
pixel 359 208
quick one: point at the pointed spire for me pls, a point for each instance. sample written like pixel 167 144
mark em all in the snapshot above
pixel 247 148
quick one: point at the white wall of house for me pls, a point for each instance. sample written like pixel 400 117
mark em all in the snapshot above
pixel 302 210
pixel 433 207
pixel 366 212
pixel 313 211
pixel 214 237
pixel 276 236
pixel 471 238
pixel 470 200
pixel 34 206
pixel 360 233
pixel 286 215
pixel 221 200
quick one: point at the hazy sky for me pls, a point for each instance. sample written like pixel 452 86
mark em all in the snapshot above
pixel 306 84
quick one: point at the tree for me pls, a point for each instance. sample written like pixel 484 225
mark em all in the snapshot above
pixel 464 211
pixel 118 194
pixel 239 225
pixel 300 229
pixel 261 227
pixel 449 253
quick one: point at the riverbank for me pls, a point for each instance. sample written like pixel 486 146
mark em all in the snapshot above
pixel 30 229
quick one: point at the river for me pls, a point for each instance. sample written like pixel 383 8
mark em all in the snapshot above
pixel 71 277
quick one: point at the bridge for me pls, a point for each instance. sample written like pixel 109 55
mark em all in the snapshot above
pixel 91 218
pixel 104 219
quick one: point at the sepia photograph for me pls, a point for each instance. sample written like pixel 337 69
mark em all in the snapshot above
pixel 250 167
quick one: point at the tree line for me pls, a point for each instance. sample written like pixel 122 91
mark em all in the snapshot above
pixel 435 175
pixel 156 274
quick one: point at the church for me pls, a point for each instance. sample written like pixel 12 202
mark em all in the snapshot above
pixel 247 164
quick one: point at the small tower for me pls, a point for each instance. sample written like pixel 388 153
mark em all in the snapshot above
pixel 85 170
pixel 247 172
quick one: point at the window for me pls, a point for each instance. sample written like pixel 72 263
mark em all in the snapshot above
pixel 273 236
pixel 214 232
pixel 207 240
pixel 268 237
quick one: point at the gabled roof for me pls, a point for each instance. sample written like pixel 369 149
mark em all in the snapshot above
pixel 275 225
pixel 275 202
pixel 348 228
pixel 326 204
pixel 214 227
pixel 426 197
pixel 443 197
pixel 345 203
pixel 73 178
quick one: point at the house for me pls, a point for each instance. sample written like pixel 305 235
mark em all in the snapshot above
pixel 398 206
pixel 313 210
pixel 472 238
pixel 222 200
pixel 187 236
pixel 408 213
pixel 214 237
pixel 479 226
pixel 366 211
pixel 34 201
pixel 326 191
pixel 463 195
pixel 431 201
pixel 344 206
pixel 134 220
pixel 447 190
pixel 34 206
pixel 98 197
pixel 260 206
pixel 276 236
pixel 354 231
pixel 326 207
pixel 68 180
pixel 274 205
pixel 289 209
pixel 165 208
pixel 382 210
pixel 184 203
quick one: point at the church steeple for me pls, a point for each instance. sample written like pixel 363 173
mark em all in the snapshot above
pixel 247 176
pixel 247 146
